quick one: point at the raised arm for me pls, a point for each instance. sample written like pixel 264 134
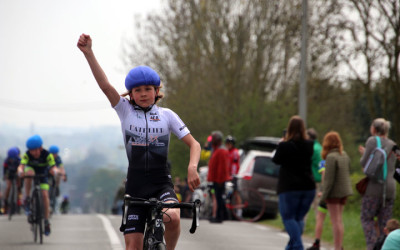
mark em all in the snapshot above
pixel 85 45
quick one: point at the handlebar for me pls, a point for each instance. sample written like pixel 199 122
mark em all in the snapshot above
pixel 36 176
pixel 153 202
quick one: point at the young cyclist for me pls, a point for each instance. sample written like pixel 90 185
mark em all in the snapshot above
pixel 54 150
pixel 146 129
pixel 10 165
pixel 37 160
pixel 234 157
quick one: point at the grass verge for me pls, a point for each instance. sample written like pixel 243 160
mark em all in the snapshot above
pixel 353 233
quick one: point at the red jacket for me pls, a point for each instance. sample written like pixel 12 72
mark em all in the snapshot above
pixel 218 166
pixel 234 160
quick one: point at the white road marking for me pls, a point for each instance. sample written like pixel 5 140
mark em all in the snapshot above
pixel 262 227
pixel 112 235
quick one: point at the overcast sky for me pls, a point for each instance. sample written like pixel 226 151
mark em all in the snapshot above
pixel 44 78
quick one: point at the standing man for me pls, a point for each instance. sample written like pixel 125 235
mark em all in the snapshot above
pixel 218 174
pixel 315 163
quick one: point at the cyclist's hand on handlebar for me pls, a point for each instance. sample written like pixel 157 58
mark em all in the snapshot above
pixel 193 179
pixel 20 172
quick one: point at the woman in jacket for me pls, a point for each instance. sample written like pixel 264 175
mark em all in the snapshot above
pixel 372 201
pixel 337 183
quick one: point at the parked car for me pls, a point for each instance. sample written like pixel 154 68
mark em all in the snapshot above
pixel 261 143
pixel 257 171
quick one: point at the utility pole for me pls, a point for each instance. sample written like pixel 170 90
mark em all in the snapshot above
pixel 303 64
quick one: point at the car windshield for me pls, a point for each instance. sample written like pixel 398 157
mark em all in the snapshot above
pixel 265 166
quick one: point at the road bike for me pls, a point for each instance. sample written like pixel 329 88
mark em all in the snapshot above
pixel 246 204
pixel 154 230
pixel 36 209
pixel 13 196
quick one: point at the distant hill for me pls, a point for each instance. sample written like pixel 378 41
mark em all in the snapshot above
pixel 75 144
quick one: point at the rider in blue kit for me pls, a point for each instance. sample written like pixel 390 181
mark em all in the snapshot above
pixel 10 166
pixel 146 130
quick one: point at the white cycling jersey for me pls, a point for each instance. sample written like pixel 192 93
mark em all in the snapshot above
pixel 146 137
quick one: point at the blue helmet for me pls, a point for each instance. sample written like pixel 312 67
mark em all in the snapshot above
pixel 34 142
pixel 13 152
pixel 141 75
pixel 54 149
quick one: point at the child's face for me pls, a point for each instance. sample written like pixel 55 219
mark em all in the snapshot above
pixel 228 145
pixel 144 95
pixel 35 152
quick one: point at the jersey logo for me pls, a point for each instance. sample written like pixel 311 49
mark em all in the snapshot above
pixel 133 217
pixel 154 118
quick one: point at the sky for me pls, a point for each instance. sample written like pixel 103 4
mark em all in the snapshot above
pixel 44 78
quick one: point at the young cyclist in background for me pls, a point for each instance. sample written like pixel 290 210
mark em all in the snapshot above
pixel 37 160
pixel 146 130
pixel 10 167
pixel 234 157
pixel 54 150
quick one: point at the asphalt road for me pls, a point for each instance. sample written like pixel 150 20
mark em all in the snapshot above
pixel 98 232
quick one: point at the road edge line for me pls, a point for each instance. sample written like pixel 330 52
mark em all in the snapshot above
pixel 112 235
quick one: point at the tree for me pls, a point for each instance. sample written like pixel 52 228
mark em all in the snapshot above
pixel 367 44
pixel 232 65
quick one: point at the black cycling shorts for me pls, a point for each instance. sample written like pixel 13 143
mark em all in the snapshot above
pixel 136 216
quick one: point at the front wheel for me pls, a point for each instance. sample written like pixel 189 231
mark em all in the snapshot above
pixel 13 195
pixel 247 205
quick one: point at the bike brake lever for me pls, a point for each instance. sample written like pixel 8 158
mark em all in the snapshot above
pixel 196 212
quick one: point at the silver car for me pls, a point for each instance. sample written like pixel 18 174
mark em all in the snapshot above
pixel 257 171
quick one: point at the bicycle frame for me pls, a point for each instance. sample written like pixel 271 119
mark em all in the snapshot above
pixel 52 193
pixel 154 231
pixel 13 197
pixel 36 207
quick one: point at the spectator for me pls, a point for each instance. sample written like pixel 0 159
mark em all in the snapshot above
pixel 337 183
pixel 218 174
pixel 178 188
pixel 315 160
pixel 391 225
pixel 119 199
pixel 321 213
pixel 186 197
pixel 392 241
pixel 296 186
pixel 372 201
pixel 205 153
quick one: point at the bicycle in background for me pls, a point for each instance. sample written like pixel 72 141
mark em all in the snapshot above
pixel 154 230
pixel 13 196
pixel 247 204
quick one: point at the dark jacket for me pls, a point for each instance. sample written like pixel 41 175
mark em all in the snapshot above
pixel 295 159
